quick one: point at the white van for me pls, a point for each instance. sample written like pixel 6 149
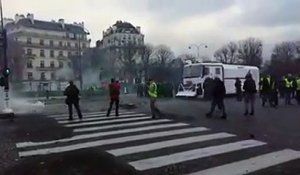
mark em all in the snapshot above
pixel 194 75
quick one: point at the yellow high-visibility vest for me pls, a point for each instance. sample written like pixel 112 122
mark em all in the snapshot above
pixel 298 84
pixel 152 90
pixel 288 84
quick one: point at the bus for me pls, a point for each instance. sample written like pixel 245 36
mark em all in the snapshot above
pixel 195 75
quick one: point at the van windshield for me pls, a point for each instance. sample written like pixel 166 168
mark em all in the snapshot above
pixel 192 71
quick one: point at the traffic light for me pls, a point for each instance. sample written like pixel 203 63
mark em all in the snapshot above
pixel 6 72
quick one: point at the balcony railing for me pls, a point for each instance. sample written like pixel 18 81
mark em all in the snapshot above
pixel 46 68
pixel 30 56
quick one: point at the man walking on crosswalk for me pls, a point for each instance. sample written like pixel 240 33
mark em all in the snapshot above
pixel 152 92
pixel 72 93
pixel 114 93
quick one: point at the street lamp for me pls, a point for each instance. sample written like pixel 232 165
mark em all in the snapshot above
pixel 80 59
pixel 6 70
pixel 198 46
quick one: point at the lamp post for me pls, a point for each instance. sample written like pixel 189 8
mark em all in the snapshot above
pixel 6 70
pixel 80 59
pixel 198 47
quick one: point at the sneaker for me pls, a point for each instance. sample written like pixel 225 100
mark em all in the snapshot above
pixel 252 113
pixel 246 113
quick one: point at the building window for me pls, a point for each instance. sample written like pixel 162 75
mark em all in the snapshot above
pixel 29 41
pixel 52 76
pixel 52 65
pixel 218 71
pixel 29 75
pixel 29 51
pixel 51 43
pixel 29 64
pixel 41 42
pixel 84 45
pixel 69 54
pixel 61 53
pixel 76 45
pixel 42 64
pixel 68 44
pixel 61 64
pixel 42 53
pixel 60 44
pixel 43 76
pixel 52 53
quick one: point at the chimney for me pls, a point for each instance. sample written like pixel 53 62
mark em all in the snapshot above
pixel 62 22
pixel 138 28
pixel 31 17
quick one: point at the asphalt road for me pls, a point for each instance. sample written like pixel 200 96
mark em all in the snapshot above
pixel 135 144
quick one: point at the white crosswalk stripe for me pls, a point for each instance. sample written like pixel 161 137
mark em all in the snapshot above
pixel 98 118
pixel 253 164
pixel 170 142
pixel 88 117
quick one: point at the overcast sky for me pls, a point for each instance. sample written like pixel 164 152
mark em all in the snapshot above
pixel 176 23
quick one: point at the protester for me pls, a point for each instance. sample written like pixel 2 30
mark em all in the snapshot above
pixel 114 93
pixel 238 89
pixel 218 94
pixel 72 93
pixel 152 92
pixel 250 92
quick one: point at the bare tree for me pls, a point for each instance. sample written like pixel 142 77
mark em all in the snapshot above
pixel 227 54
pixel 146 56
pixel 250 51
pixel 188 57
pixel 221 55
pixel 284 52
pixel 163 55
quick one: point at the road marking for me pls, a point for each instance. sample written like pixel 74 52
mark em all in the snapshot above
pixel 123 125
pixel 169 143
pixel 99 118
pixel 86 117
pixel 60 149
pixel 99 134
pixel 253 164
pixel 157 162
pixel 109 121
pixel 89 113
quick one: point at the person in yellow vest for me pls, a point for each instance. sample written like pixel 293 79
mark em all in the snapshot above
pixel 288 83
pixel 152 92
pixel 298 90
pixel 266 90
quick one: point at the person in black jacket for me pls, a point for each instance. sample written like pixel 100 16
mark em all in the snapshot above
pixel 250 92
pixel 72 93
pixel 238 89
pixel 218 94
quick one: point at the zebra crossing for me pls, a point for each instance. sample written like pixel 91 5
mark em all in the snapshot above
pixel 154 145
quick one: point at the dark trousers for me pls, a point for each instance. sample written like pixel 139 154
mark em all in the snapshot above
pixel 218 102
pixel 239 95
pixel 267 97
pixel 112 101
pixel 288 98
pixel 154 110
pixel 249 101
pixel 298 96
pixel 77 107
